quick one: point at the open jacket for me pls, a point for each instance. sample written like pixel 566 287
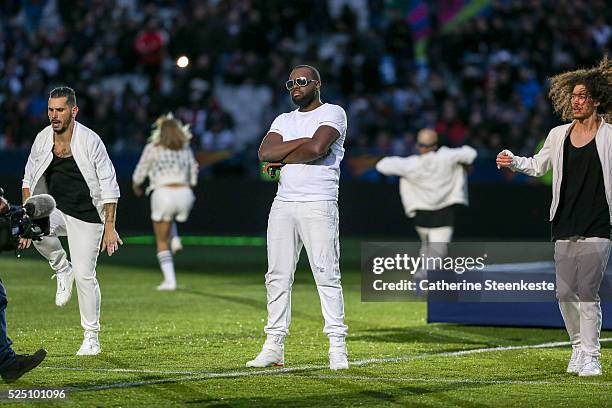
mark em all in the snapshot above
pixel 91 158
pixel 551 155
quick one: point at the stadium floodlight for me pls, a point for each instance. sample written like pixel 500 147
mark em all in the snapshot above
pixel 182 61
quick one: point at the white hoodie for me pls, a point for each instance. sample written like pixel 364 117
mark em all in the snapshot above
pixel 431 181
pixel 91 158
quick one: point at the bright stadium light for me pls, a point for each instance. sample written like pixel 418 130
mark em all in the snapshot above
pixel 182 61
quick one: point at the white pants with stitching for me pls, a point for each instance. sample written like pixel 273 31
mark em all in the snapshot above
pixel 84 240
pixel 580 267
pixel 313 225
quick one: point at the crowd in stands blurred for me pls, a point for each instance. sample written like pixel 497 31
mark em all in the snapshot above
pixel 481 82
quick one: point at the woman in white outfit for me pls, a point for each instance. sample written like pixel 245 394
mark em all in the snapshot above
pixel 168 162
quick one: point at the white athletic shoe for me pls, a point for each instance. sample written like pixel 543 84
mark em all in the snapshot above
pixel 176 244
pixel 591 366
pixel 576 361
pixel 90 346
pixel 64 286
pixel 338 358
pixel 166 286
pixel 271 355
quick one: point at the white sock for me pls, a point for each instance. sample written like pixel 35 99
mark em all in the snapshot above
pixel 167 266
pixel 173 231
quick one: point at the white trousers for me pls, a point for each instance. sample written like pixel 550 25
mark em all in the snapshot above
pixel 313 225
pixel 84 244
pixel 580 267
pixel 434 241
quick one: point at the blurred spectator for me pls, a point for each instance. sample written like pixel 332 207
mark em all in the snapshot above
pixel 150 44
pixel 483 81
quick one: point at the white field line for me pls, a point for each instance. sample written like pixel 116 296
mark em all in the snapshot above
pixel 447 380
pixel 122 370
pixel 198 376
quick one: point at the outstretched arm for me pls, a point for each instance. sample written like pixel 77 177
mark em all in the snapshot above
pixel 535 166
pixel 397 166
pixel 315 147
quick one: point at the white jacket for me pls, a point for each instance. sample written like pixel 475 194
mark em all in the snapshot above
pixel 431 181
pixel 551 155
pixel 91 158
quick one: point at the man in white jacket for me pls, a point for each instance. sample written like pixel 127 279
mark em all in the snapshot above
pixel 69 161
pixel 580 154
pixel 431 184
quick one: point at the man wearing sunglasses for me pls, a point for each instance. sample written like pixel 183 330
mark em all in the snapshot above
pixel 308 144
pixel 431 185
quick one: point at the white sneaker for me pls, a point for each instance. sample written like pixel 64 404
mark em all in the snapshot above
pixel 90 346
pixel 176 244
pixel 576 361
pixel 591 366
pixel 64 286
pixel 338 358
pixel 271 355
pixel 166 286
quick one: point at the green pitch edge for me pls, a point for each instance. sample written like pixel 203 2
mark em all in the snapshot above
pixel 202 240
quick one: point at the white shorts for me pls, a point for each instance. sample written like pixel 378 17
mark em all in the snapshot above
pixel 171 203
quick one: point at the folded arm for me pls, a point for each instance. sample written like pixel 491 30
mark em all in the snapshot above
pixel 273 149
pixel 315 147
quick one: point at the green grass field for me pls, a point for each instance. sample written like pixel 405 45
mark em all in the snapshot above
pixel 188 348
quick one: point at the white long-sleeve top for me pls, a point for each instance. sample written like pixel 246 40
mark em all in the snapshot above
pixel 165 166
pixel 91 158
pixel 430 181
pixel 551 156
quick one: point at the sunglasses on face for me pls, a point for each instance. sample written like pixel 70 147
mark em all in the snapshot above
pixel 298 82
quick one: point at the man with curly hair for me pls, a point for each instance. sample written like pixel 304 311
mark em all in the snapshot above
pixel 580 155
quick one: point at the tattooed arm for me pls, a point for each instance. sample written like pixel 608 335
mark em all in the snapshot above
pixel 110 239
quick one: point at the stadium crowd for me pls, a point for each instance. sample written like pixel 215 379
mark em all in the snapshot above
pixel 483 81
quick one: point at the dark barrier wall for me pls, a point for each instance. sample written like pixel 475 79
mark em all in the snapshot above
pixel 239 206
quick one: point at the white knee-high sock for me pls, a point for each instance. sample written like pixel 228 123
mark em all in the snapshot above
pixel 173 231
pixel 166 264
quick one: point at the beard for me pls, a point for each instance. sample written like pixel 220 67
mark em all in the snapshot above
pixel 63 126
pixel 305 100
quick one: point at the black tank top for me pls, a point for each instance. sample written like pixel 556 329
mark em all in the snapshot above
pixel 583 209
pixel 69 189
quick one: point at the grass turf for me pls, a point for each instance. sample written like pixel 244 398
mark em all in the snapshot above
pixel 189 347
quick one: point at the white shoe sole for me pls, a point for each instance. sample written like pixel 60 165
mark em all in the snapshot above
pixel 253 364
pixel 591 374
pixel 89 352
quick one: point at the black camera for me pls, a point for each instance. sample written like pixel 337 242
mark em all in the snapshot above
pixel 30 221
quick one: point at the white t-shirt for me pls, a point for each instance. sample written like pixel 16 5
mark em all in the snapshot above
pixel 316 180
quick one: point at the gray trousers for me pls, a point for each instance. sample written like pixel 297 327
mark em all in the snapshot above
pixel 580 265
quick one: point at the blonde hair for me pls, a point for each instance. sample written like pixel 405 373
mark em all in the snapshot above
pixel 597 81
pixel 170 133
